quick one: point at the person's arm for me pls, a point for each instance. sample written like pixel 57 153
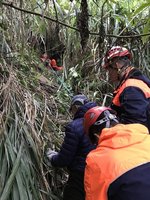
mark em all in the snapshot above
pixel 68 148
pixel 133 106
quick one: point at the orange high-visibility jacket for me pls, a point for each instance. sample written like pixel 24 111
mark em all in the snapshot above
pixel 132 83
pixel 119 168
pixel 132 99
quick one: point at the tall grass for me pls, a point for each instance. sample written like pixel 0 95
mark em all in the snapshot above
pixel 27 125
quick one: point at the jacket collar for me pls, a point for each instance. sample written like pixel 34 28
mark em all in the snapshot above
pixel 82 110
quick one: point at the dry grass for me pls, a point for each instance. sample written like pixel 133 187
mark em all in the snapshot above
pixel 27 125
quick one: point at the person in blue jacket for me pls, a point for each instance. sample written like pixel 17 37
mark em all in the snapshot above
pixel 74 150
pixel 132 95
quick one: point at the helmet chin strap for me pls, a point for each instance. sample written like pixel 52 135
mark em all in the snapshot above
pixel 110 117
pixel 121 71
pixel 107 119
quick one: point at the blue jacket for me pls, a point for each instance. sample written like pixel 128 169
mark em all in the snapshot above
pixel 76 144
pixel 132 99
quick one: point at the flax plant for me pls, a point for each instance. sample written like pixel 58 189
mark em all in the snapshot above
pixel 26 127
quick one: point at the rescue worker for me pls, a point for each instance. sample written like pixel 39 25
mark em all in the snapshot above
pixel 132 95
pixel 50 63
pixel 74 150
pixel 119 168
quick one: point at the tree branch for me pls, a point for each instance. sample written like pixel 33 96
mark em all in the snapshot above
pixel 66 25
pixel 38 14
pixel 123 36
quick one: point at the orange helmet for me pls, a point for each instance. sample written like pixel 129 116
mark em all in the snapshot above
pixel 97 116
pixel 116 51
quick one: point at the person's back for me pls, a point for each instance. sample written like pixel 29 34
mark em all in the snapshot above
pixel 119 168
pixel 76 144
pixel 74 150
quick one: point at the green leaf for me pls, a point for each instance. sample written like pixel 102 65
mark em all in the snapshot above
pixel 3 174
pixel 9 183
pixel 146 30
pixel 15 192
pixel 142 7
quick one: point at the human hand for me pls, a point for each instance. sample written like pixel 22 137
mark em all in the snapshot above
pixel 49 153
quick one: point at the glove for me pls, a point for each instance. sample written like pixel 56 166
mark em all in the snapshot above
pixel 48 156
pixel 50 153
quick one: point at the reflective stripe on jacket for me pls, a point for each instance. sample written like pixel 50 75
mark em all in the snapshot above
pixel 119 168
pixel 132 99
pixel 133 83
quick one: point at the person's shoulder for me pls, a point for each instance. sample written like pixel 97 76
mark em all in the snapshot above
pixel 75 124
pixel 89 105
pixel 77 120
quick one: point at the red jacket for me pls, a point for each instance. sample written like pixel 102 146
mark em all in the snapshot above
pixel 50 63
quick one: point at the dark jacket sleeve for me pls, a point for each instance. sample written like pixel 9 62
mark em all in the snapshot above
pixel 134 106
pixel 68 148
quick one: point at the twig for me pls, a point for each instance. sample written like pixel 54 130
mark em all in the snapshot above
pixel 123 36
pixel 55 10
pixel 101 29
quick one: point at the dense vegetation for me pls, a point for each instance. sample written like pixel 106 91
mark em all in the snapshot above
pixel 34 101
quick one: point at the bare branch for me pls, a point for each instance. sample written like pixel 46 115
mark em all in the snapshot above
pixel 123 36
